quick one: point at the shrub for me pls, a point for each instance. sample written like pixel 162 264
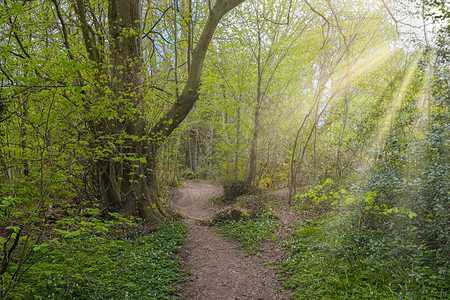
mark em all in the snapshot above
pixel 235 188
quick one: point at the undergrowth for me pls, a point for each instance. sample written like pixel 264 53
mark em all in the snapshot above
pixel 331 257
pixel 93 267
pixel 251 233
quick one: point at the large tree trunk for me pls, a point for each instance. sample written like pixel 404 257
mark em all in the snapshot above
pixel 127 180
pixel 126 176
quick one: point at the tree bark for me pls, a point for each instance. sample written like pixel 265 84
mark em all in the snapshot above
pixel 126 178
pixel 253 157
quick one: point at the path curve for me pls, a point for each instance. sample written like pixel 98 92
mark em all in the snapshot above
pixel 217 269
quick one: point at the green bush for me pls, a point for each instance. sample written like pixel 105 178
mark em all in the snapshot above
pixel 232 189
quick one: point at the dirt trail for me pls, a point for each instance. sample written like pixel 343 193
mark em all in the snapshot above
pixel 218 269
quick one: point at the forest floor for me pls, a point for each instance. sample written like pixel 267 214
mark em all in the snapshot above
pixel 216 268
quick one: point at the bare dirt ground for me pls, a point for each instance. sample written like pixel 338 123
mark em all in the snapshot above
pixel 218 270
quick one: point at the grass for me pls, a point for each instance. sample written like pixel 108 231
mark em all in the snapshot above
pixel 92 267
pixel 250 234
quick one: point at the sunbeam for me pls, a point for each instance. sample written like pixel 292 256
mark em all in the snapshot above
pixel 362 66
pixel 386 122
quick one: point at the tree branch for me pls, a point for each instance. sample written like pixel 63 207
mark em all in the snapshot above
pixel 316 12
pixel 181 108
pixel 64 30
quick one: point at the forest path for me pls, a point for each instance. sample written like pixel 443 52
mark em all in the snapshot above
pixel 218 269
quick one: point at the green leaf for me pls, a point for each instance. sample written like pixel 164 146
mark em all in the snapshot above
pixel 16 229
pixel 40 246
pixel 412 214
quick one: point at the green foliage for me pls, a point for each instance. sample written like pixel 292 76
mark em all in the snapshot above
pixel 434 195
pixel 369 124
pixel 414 171
pixel 63 127
pixel 328 195
pixel 275 177
pixel 250 234
pixel 386 180
pixel 366 249
pixel 319 198
pixel 92 267
pixel 333 258
pixel 232 189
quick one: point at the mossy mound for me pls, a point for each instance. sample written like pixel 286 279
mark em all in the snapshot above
pixel 245 208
